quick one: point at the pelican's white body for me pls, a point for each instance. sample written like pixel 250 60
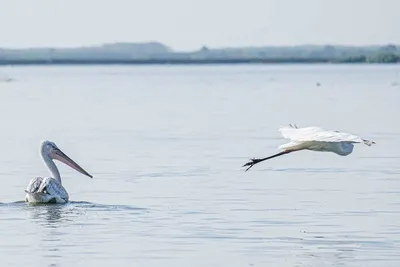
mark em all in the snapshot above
pixel 317 139
pixel 46 190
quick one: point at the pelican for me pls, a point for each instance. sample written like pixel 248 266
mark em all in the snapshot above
pixel 50 189
pixel 314 139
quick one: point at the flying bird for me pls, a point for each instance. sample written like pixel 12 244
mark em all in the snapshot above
pixel 50 189
pixel 314 139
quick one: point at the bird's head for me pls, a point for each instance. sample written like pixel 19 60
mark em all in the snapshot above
pixel 49 149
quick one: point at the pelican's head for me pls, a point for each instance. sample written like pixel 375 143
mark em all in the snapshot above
pixel 50 150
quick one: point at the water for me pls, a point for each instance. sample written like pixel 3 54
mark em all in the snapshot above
pixel 165 145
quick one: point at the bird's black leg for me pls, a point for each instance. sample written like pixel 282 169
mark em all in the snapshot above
pixel 253 161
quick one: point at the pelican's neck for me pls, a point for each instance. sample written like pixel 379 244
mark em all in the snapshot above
pixel 52 167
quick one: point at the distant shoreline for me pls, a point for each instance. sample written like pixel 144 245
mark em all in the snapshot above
pixel 154 53
pixel 183 62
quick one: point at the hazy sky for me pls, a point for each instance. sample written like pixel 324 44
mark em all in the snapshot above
pixel 189 24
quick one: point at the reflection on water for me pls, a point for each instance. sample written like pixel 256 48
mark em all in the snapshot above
pixel 50 215
pixel 52 224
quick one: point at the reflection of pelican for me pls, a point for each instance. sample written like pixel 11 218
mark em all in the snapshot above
pixel 48 215
pixel 51 237
pixel 50 189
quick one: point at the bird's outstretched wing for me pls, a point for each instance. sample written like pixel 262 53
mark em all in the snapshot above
pixel 320 135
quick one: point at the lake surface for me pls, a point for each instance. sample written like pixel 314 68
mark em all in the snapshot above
pixel 165 145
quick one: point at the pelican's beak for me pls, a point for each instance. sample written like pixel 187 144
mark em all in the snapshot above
pixel 59 155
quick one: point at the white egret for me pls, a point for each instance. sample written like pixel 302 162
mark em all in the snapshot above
pixel 315 139
pixel 50 189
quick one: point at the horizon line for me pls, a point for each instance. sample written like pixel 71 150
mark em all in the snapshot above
pixel 199 48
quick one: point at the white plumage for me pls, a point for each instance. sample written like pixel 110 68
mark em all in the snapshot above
pixel 318 134
pixel 315 139
pixel 46 190
pixel 50 189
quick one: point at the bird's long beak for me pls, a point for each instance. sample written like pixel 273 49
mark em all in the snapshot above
pixel 59 155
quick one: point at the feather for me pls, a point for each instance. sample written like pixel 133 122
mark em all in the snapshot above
pixel 318 134
pixel 46 190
